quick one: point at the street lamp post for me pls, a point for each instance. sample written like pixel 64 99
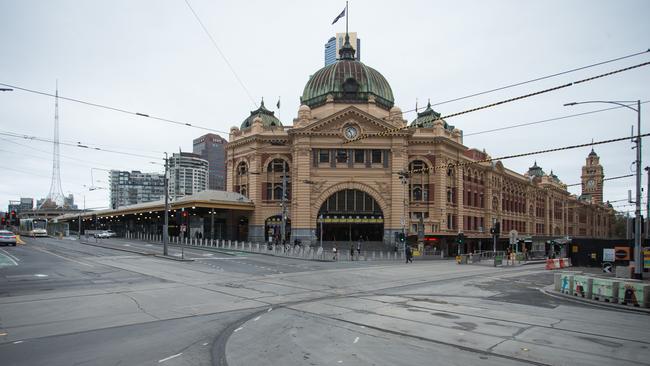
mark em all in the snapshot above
pixel 638 272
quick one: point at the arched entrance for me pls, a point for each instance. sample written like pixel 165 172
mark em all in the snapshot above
pixel 350 215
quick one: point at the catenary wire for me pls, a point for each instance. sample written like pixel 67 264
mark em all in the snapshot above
pixel 537 79
pixel 223 56
pixel 545 120
pixel 612 178
pixel 34 138
pixel 394 130
pixel 489 160
pixel 115 109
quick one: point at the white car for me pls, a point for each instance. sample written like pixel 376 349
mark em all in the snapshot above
pixel 102 235
pixel 7 237
pixel 111 233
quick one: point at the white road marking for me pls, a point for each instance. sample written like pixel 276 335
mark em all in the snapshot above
pixel 127 245
pixel 238 329
pixel 256 319
pixel 205 344
pixel 62 257
pixel 17 342
pixel 356 340
pixel 8 256
pixel 40 275
pixel 170 357
pixel 208 255
pixel 268 311
pixel 11 256
pixel 340 361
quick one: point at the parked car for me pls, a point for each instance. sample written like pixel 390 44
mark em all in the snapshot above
pixel 102 235
pixel 7 237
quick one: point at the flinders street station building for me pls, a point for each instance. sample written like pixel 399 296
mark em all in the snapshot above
pixel 413 181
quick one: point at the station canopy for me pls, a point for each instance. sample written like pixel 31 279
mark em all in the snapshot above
pixel 209 199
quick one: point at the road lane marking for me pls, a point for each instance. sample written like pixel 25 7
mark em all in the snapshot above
pixel 3 334
pixel 62 257
pixel 170 357
pixel 205 344
pixel 6 259
pixel 356 340
pixel 17 342
pixel 11 255
pixel 268 311
pixel 256 319
pixel 238 329
pixel 40 275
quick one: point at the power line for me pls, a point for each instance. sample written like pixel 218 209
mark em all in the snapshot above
pixel 539 78
pixel 115 109
pixel 612 178
pixel 34 138
pixel 545 120
pixel 223 56
pixel 489 160
pixel 393 130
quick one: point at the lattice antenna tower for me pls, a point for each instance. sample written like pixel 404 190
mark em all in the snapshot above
pixel 55 198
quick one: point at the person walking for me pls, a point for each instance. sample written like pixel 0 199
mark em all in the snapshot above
pixel 359 248
pixel 351 252
pixel 409 255
pixel 335 253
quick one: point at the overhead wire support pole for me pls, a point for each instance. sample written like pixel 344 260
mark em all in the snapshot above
pixel 638 264
pixel 166 222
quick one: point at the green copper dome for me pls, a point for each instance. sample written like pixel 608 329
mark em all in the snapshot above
pixel 268 117
pixel 347 80
pixel 425 119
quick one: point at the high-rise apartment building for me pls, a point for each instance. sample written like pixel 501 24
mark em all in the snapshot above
pixel 188 174
pixel 130 188
pixel 211 147
pixel 334 44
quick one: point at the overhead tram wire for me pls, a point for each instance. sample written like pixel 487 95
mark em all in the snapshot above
pixel 34 138
pixel 531 80
pixel 115 109
pixel 546 120
pixel 540 78
pixel 223 56
pixel 538 152
pixel 505 101
pixel 612 178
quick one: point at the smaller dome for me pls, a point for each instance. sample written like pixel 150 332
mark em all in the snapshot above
pixel 592 153
pixel 536 171
pixel 428 117
pixel 268 117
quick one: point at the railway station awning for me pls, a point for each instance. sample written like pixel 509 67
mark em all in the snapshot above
pixel 210 199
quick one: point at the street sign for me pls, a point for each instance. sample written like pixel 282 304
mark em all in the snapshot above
pixel 513 237
pixel 183 228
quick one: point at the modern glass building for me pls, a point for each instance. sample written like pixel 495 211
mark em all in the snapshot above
pixel 211 147
pixel 188 174
pixel 334 44
pixel 130 188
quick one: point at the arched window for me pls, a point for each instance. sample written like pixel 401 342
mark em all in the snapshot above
pixel 276 171
pixel 241 178
pixel 420 187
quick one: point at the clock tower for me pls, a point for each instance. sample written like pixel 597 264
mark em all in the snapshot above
pixel 592 178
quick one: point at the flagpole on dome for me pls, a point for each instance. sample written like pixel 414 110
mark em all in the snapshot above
pixel 347 16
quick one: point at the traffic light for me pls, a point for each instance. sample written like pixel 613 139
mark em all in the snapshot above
pixel 184 214
pixel 400 237
pixel 496 229
pixel 13 218
pixel 460 238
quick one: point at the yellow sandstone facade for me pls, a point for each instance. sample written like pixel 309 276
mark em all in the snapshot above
pixel 358 190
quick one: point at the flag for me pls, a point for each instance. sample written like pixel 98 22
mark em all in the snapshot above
pixel 278 105
pixel 339 16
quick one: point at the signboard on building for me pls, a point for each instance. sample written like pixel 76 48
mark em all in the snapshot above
pixel 608 255
pixel 622 253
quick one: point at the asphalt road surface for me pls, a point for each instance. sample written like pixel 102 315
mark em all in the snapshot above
pixel 67 303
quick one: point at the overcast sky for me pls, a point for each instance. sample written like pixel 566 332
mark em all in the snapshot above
pixel 153 57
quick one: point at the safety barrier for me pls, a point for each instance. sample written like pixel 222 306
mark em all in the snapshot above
pixel 612 290
pixel 558 263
